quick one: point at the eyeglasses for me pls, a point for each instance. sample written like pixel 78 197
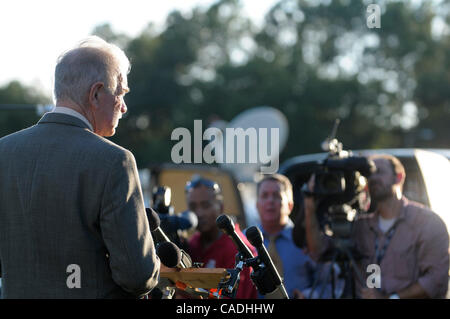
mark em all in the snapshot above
pixel 196 182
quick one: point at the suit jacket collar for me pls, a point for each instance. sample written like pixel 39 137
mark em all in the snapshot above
pixel 61 118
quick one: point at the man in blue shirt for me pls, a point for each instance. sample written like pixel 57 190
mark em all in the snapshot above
pixel 274 203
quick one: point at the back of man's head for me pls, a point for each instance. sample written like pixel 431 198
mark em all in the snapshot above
pixel 398 170
pixel 92 60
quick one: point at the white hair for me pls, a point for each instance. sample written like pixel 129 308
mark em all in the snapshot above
pixel 92 60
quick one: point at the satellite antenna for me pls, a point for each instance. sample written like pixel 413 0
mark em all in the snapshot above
pixel 261 117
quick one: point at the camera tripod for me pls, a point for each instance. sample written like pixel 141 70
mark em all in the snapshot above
pixel 342 254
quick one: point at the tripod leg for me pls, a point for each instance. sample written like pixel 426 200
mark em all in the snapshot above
pixel 330 272
pixel 355 270
pixel 333 283
pixel 317 279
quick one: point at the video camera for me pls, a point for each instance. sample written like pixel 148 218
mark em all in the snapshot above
pixel 340 187
pixel 161 200
pixel 176 226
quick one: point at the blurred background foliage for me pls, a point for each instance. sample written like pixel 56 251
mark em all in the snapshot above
pixel 313 60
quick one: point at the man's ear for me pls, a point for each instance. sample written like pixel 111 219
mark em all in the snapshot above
pixel 399 178
pixel 291 206
pixel 94 94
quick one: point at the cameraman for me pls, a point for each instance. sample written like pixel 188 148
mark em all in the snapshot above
pixel 407 241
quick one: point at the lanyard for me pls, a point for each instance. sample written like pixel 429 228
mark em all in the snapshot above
pixel 380 252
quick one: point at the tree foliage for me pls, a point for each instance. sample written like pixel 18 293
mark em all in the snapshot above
pixel 18 107
pixel 313 60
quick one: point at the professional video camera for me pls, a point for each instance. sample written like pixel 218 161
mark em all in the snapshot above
pixel 161 200
pixel 341 193
pixel 174 225
pixel 340 187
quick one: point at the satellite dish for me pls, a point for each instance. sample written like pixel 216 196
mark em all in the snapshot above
pixel 272 130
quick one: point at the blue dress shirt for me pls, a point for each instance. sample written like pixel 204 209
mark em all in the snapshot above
pixel 298 268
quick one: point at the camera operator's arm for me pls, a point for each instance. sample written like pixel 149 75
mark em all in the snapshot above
pixel 414 291
pixel 433 258
pixel 433 264
pixel 314 238
pixel 433 261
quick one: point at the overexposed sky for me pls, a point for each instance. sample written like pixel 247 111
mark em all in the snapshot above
pixel 33 33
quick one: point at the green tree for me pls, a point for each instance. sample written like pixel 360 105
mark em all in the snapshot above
pixel 18 107
pixel 313 60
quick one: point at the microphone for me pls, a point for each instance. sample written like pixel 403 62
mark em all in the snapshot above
pixel 170 255
pixel 187 220
pixel 225 224
pixel 273 284
pixel 162 239
pixel 155 223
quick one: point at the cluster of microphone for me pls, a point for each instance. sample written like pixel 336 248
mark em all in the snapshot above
pixel 264 276
pixel 169 253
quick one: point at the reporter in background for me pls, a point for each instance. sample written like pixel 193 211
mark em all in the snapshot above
pixel 275 203
pixel 408 241
pixel 209 245
pixel 72 216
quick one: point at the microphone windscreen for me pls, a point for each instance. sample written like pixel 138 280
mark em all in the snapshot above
pixel 153 219
pixel 191 217
pixel 225 223
pixel 169 254
pixel 254 236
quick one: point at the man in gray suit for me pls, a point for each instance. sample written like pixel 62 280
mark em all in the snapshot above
pixel 72 215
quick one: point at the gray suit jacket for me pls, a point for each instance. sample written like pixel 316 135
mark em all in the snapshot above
pixel 71 197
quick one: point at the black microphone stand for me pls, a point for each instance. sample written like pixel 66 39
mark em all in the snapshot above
pixel 261 277
pixel 264 276
pixel 229 286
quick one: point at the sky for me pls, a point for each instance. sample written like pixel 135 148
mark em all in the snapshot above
pixel 34 33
